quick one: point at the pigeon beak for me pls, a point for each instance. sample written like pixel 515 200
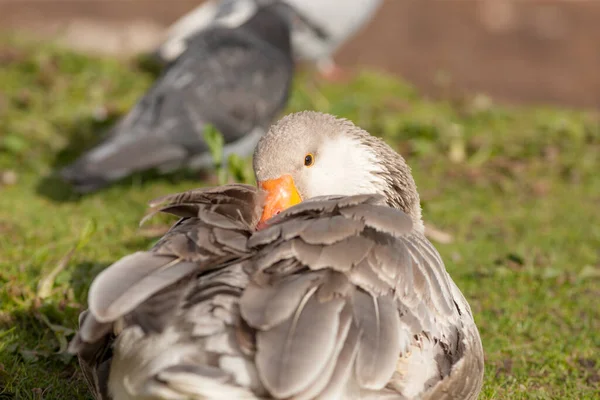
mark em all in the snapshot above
pixel 281 195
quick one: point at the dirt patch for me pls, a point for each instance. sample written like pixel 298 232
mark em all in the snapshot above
pixel 589 367
pixel 504 368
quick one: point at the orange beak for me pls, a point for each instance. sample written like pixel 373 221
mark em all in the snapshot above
pixel 281 194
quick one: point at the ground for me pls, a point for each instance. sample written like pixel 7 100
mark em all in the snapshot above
pixel 517 189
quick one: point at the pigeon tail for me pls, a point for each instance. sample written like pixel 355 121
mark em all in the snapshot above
pixel 117 158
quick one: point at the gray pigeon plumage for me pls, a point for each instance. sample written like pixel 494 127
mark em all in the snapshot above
pixel 235 79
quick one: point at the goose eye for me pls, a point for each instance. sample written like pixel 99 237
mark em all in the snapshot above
pixel 309 160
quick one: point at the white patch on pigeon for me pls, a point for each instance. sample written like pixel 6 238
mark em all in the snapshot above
pixel 242 12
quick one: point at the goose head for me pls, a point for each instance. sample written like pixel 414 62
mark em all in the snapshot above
pixel 309 154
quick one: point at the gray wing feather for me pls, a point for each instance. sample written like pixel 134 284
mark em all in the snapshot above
pixel 327 374
pixel 383 219
pixel 311 332
pixel 124 285
pixel 326 231
pixel 391 278
pixel 344 367
pixel 266 306
pixel 380 342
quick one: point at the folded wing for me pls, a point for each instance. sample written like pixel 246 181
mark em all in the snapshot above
pixel 348 300
pixel 155 316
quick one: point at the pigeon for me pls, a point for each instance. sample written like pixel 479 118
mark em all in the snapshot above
pixel 319 283
pixel 236 80
pixel 324 26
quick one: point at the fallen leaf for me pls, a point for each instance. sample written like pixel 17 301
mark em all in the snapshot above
pixel 46 284
pixel 589 272
pixel 8 177
pixel 437 235
pixel 61 332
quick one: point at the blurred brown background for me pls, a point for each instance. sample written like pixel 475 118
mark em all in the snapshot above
pixel 532 51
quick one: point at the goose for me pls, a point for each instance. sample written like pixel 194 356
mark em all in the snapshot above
pixel 236 80
pixel 318 283
pixel 320 28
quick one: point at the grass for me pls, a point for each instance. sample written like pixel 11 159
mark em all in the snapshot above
pixel 516 187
